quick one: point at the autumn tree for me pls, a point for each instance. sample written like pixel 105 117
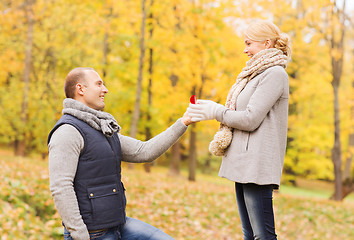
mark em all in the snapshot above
pixel 190 47
pixel 336 42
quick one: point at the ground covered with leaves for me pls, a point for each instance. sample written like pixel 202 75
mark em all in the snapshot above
pixel 201 210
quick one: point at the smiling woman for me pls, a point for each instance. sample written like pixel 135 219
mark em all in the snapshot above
pixel 253 47
pixel 253 127
pixel 263 35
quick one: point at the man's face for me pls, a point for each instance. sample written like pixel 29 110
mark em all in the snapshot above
pixel 93 90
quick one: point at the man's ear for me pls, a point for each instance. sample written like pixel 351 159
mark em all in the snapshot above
pixel 79 89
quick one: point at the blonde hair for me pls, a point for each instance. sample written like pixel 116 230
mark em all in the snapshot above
pixel 263 30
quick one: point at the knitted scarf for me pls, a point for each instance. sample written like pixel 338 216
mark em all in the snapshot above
pixel 256 65
pixel 101 121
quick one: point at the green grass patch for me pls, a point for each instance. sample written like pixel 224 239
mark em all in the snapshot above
pixel 302 192
pixel 312 189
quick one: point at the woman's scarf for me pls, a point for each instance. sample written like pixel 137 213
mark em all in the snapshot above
pixel 256 65
pixel 101 121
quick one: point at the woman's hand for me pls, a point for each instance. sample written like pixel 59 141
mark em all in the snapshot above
pixel 203 110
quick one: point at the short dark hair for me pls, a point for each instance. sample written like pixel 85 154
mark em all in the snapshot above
pixel 74 77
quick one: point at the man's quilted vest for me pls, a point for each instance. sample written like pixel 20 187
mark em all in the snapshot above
pixel 97 183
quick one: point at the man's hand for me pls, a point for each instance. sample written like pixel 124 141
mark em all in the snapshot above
pixel 186 119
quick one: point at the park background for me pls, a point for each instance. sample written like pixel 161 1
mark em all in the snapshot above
pixel 153 55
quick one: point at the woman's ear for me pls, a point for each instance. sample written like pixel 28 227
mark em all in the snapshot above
pixel 268 43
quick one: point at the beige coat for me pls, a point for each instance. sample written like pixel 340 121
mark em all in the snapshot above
pixel 257 150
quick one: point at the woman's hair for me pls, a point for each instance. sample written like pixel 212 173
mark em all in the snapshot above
pixel 263 30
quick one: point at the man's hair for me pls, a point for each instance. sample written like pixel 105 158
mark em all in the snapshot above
pixel 75 76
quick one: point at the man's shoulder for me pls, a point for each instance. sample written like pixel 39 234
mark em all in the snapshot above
pixel 66 132
pixel 66 128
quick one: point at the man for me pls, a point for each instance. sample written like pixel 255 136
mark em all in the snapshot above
pixel 85 154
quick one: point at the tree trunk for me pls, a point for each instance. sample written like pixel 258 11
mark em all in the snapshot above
pixel 106 47
pixel 105 54
pixel 20 147
pixel 348 187
pixel 147 166
pixel 148 135
pixel 136 113
pixel 337 52
pixel 175 159
pixel 20 143
pixel 349 160
pixel 348 180
pixel 192 154
pixel 336 150
pixel 207 165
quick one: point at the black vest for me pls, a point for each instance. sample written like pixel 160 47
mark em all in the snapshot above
pixel 97 183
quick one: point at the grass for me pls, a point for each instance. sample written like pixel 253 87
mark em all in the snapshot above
pixel 304 188
pixel 312 189
pixel 205 209
pixel 310 193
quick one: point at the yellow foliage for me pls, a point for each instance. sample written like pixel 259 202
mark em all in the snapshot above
pixel 197 49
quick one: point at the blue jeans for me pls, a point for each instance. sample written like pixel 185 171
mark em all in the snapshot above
pixel 255 206
pixel 133 229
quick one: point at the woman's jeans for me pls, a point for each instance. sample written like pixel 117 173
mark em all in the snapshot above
pixel 133 229
pixel 255 206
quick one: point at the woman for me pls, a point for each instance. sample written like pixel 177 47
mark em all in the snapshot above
pixel 253 129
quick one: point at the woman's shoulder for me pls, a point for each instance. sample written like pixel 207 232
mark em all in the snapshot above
pixel 276 69
pixel 275 72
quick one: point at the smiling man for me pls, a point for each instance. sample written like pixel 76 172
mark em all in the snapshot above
pixel 85 154
pixel 90 91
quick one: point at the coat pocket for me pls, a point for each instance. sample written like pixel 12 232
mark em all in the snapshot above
pixel 240 141
pixel 247 140
pixel 106 202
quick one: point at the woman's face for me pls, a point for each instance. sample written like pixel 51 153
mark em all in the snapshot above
pixel 253 47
